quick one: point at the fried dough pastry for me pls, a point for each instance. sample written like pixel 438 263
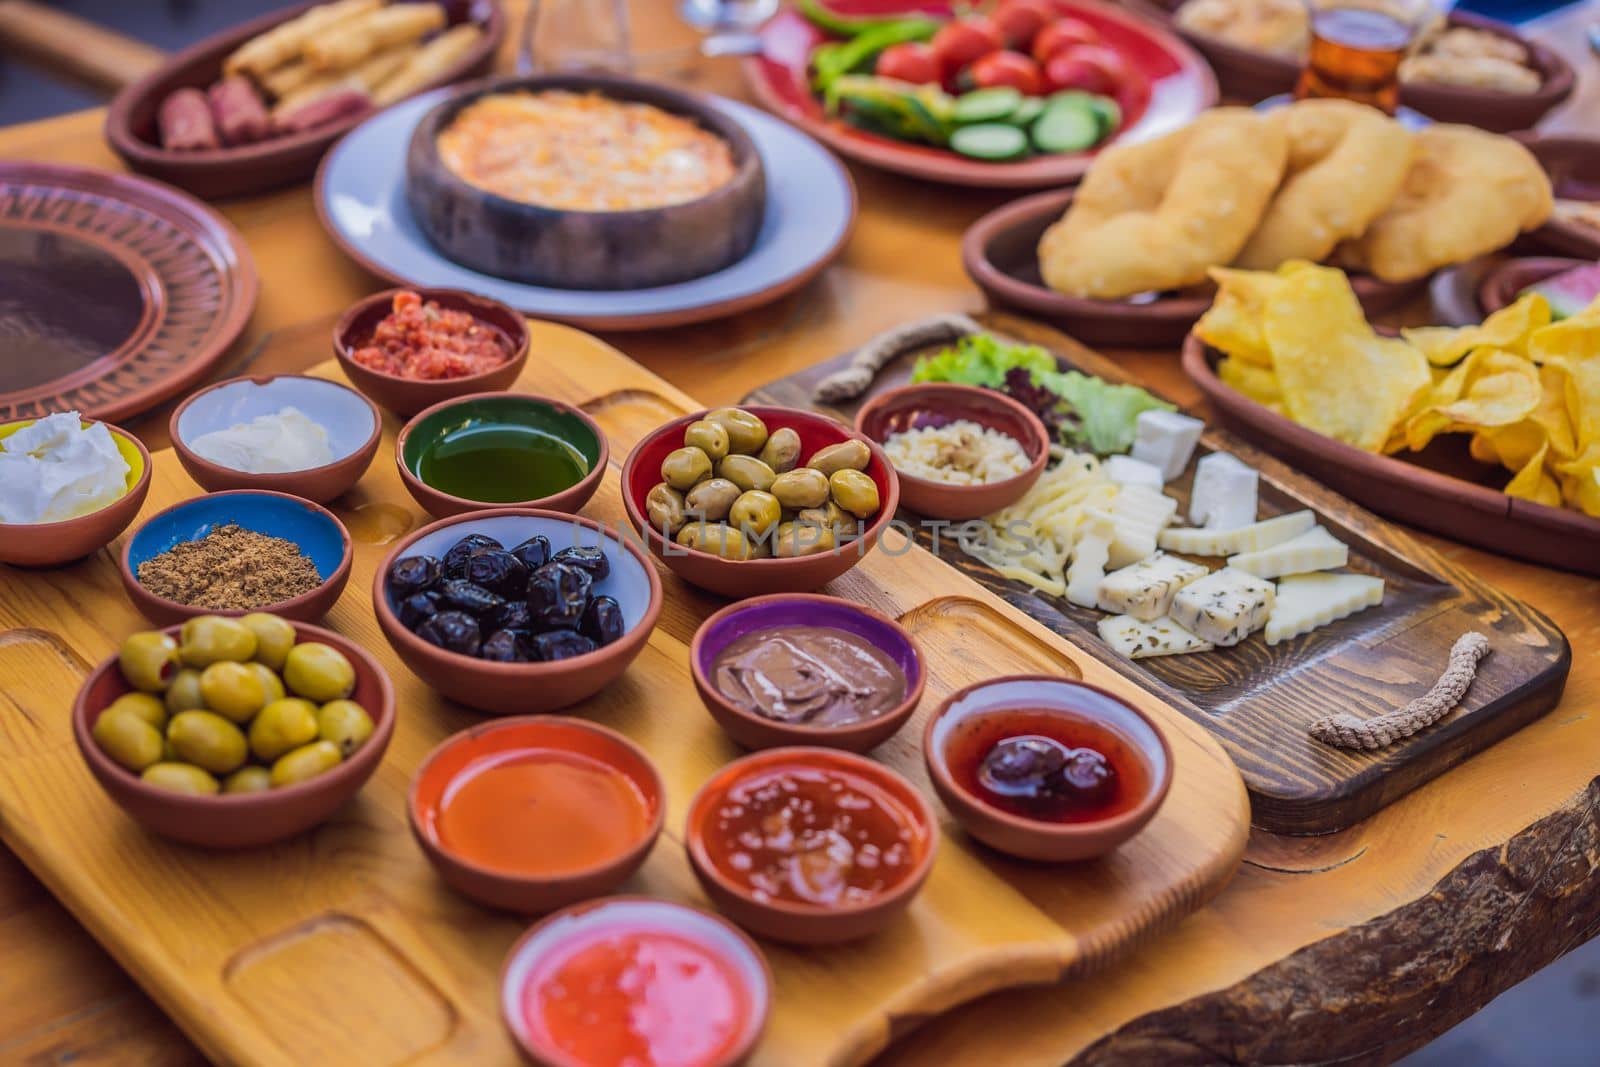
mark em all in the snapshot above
pixel 1468 192
pixel 1347 162
pixel 1471 72
pixel 1278 26
pixel 1156 215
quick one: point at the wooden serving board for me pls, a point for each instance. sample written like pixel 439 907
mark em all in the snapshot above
pixel 342 946
pixel 1258 700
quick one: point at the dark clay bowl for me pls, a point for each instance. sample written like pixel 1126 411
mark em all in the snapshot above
pixel 804 609
pixel 571 249
pixel 51 544
pixel 756 577
pixel 936 404
pixel 465 752
pixel 1573 163
pixel 407 396
pixel 526 688
pixel 242 820
pixel 1035 839
pixel 808 924
pixel 317 531
pixel 353 425
pixel 461 415
pixel 1504 282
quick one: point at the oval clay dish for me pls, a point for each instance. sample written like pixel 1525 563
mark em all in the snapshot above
pixel 1433 490
pixel 253 168
pixel 1573 164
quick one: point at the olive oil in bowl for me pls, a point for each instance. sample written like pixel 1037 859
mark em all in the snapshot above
pixel 500 463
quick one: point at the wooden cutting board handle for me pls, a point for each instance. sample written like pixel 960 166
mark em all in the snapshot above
pixel 74 47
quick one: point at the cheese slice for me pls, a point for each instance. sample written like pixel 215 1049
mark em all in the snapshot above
pixel 1125 470
pixel 1145 589
pixel 1166 440
pixel 1224 607
pixel 1141 639
pixel 1252 538
pixel 1089 555
pixel 1314 550
pixel 1307 601
pixel 1141 513
pixel 1224 493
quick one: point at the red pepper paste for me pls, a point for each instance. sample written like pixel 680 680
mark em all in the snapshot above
pixel 426 342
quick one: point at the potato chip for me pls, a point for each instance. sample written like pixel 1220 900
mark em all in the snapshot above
pixel 1577 337
pixel 1580 481
pixel 1509 328
pixel 1258 383
pixel 1535 483
pixel 1233 322
pixel 1497 389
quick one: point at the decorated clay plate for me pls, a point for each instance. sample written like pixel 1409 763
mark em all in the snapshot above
pixel 116 293
pixel 1179 84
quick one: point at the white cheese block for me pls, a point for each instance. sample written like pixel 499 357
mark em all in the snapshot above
pixel 1165 440
pixel 1145 589
pixel 1252 538
pixel 1224 607
pixel 1314 550
pixel 1089 555
pixel 1140 639
pixel 1307 601
pixel 1127 471
pixel 1224 493
pixel 1141 513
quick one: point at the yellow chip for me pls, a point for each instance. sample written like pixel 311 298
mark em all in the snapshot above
pixel 1258 383
pixel 1535 483
pixel 1509 328
pixel 1233 323
pixel 1498 389
pixel 1580 481
pixel 1577 337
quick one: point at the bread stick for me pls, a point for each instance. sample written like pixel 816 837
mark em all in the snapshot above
pixel 284 42
pixel 427 64
pixel 352 41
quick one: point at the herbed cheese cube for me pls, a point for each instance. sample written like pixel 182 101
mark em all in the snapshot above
pixel 1165 440
pixel 1225 492
pixel 1145 589
pixel 1252 538
pixel 1089 555
pixel 1127 471
pixel 1307 601
pixel 1224 607
pixel 1140 639
pixel 1314 550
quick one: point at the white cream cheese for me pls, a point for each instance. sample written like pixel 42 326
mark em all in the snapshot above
pixel 56 470
pixel 267 444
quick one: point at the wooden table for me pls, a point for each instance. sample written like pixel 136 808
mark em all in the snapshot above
pixel 1353 947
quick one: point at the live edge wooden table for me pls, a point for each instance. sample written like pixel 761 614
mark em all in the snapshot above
pixel 1355 947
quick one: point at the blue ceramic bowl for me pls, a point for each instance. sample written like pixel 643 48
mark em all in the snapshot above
pixel 320 535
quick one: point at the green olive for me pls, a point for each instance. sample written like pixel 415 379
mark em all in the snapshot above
pixel 346 724
pixel 711 499
pixel 208 639
pixel 233 690
pixel 754 513
pixel 831 516
pixel 709 437
pixel 318 672
pixel 747 472
pixel 184 692
pixel 128 739
pixel 782 450
pixel 149 660
pixel 683 467
pixel 716 538
pixel 168 753
pixel 207 740
pixel 144 705
pixel 854 492
pixel 180 778
pixel 283 726
pixel 251 779
pixel 270 681
pixel 846 455
pixel 805 487
pixel 664 506
pixel 305 763
pixel 797 539
pixel 746 432
pixel 274 637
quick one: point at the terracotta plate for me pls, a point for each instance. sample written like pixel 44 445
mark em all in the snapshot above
pixel 1179 87
pixel 116 293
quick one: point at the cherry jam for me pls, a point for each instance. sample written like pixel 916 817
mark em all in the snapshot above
pixel 1046 765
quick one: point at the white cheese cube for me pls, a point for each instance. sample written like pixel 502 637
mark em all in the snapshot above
pixel 1141 513
pixel 1145 589
pixel 1307 601
pixel 1224 493
pixel 1139 639
pixel 1314 550
pixel 1089 555
pixel 1165 440
pixel 1252 538
pixel 1224 607
pixel 1126 471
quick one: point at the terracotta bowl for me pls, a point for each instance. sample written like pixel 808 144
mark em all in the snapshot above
pixel 240 820
pixel 1034 839
pixel 1503 283
pixel 571 249
pixel 808 924
pixel 461 416
pixel 543 944
pixel 803 609
pixel 467 752
pixel 407 396
pixel 51 544
pixel 1573 163
pixel 353 425
pixel 526 688
pixel 756 577
pixel 318 532
pixel 932 404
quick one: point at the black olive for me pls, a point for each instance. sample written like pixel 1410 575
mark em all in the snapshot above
pixel 602 621
pixel 453 632
pixel 592 560
pixel 413 575
pixel 417 609
pixel 1026 767
pixel 560 644
pixel 1087 777
pixel 455 560
pixel 507 646
pixel 513 615
pixel 497 571
pixel 534 552
pixel 557 595
pixel 475 600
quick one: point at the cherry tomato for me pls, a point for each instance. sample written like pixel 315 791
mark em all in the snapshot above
pixel 1089 67
pixel 1021 20
pixel 961 42
pixel 1061 33
pixel 1008 68
pixel 912 61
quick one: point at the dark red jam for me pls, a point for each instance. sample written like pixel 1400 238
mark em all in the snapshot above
pixel 1047 765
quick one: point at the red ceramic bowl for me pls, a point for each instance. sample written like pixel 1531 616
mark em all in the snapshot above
pixel 1140 739
pixel 51 544
pixel 756 577
pixel 241 820
pixel 449 764
pixel 407 396
pixel 936 403
pixel 809 924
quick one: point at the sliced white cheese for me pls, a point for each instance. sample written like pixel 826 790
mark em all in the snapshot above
pixel 1252 538
pixel 1165 440
pixel 1307 601
pixel 1140 639
pixel 1089 555
pixel 1141 513
pixel 1314 550
pixel 1145 589
pixel 1224 493
pixel 1127 471
pixel 1224 607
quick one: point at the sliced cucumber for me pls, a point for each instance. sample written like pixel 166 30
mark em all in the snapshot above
pixel 990 141
pixel 1030 108
pixel 1108 111
pixel 1065 127
pixel 986 105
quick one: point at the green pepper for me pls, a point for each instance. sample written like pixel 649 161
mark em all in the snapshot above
pixel 892 107
pixel 829 21
pixel 830 61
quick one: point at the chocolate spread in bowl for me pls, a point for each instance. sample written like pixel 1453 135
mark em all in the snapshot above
pixel 814 675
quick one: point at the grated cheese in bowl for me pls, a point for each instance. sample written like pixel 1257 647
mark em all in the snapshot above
pixel 958 453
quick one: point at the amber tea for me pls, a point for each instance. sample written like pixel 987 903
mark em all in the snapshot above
pixel 1355 55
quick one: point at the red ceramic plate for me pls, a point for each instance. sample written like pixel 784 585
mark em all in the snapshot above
pixel 1178 86
pixel 116 292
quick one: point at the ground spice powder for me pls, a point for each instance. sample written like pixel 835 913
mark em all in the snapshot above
pixel 230 568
